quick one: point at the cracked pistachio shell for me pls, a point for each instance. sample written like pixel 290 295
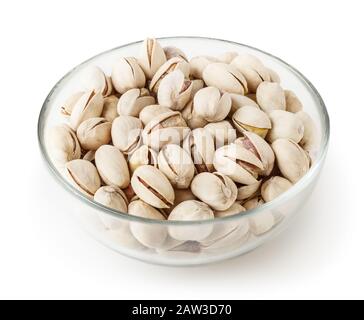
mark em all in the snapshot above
pixel 95 79
pixel 199 63
pixel 191 210
pixel 152 186
pixel 149 112
pixel 83 176
pixel 152 57
pixel 177 165
pixel 211 105
pixel 274 187
pixel 169 66
pixel 69 104
pixel 112 166
pixel 215 189
pixel 270 96
pixel 150 235
pixel 222 132
pixel 238 101
pixel 93 133
pixel 127 74
pixel 174 91
pixel 109 111
pixel 143 156
pixel 274 76
pixel 225 77
pixel 247 191
pixel 89 105
pixel 292 160
pixel 180 195
pixel 200 145
pixel 238 163
pixel 285 125
pixel 293 104
pixel 133 101
pixel 261 223
pixel 251 119
pixel 310 139
pixel 253 203
pixel 63 144
pixel 172 52
pixel 260 148
pixel 192 119
pixel 125 133
pixel 227 57
pixel 166 128
pixel 197 84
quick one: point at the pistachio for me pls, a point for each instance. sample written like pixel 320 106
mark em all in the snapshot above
pixel 83 176
pixel 310 139
pixel 251 119
pixel 222 132
pixel 97 81
pixel 270 96
pixel 238 101
pixel 133 101
pixel 285 125
pixel 90 156
pixel 191 210
pixel 152 57
pixel 225 77
pixel 198 64
pixel 93 133
pixel 197 84
pixel 274 77
pixel 177 166
pixel 89 105
pixel 247 191
pixel 143 156
pixel 127 74
pixel 192 119
pixel 174 91
pixel 199 144
pixel 293 104
pixel 292 160
pixel 215 189
pixel 180 195
pixel 125 133
pixel 149 112
pixel 253 203
pixel 150 235
pixel 152 186
pixel 69 104
pixel 274 187
pixel 227 57
pixel 109 111
pixel 211 105
pixel 261 223
pixel 172 52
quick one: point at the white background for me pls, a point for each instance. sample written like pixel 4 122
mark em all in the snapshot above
pixel 43 253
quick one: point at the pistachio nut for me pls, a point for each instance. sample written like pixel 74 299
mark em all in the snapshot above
pixel 166 128
pixel 247 191
pixel 133 101
pixel 260 148
pixel 192 119
pixel 69 104
pixel 150 235
pixel 180 195
pixel 89 156
pixel 285 125
pixel 270 96
pixel 215 189
pixel 261 223
pixel 174 91
pixel 197 84
pixel 172 52
pixel 274 187
pixel 310 139
pixel 253 203
pixel 83 176
pixel 173 64
pixel 238 101
pixel 201 147
pixel 198 64
pixel 177 166
pixel 152 186
pixel 152 57
pixel 143 156
pixel 125 133
pixel 97 81
pixel 222 132
pixel 191 210
pixel 225 77
pixel 127 74
pixel 89 105
pixel 293 104
pixel 149 112
pixel 211 105
pixel 274 77
pixel 238 163
pixel 251 119
pixel 292 160
pixel 63 144
pixel 93 133
pixel 109 112
pixel 227 57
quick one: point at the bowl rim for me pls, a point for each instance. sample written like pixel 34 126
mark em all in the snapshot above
pixel 300 185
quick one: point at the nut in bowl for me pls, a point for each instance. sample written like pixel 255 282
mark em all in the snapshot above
pixel 185 150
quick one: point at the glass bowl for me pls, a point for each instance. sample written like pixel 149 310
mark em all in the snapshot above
pixel 229 236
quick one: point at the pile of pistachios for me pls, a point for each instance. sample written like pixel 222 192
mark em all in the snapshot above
pixel 168 138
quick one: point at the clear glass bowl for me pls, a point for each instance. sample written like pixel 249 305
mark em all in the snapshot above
pixel 231 236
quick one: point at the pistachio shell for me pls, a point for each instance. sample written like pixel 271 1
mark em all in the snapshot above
pixel 152 186
pixel 227 57
pixel 180 195
pixel 172 52
pixel 109 111
pixel 133 101
pixel 274 77
pixel 197 84
pixel 149 112
pixel 152 57
pixel 238 101
pixel 93 133
pixel 293 104
pixel 215 189
pixel 253 203
pixel 247 191
pixel 90 156
pixel 274 187
pixel 222 132
pixel 310 139
pixel 96 80
pixel 127 74
pixel 143 156
pixel 198 64
pixel 285 125
pixel 69 104
pixel 192 119
pixel 261 223
pixel 270 96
